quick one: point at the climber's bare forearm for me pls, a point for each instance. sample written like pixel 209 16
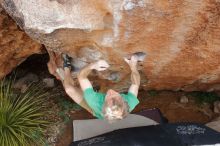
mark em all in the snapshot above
pixel 135 77
pixel 85 71
pixel 83 77
pixel 135 81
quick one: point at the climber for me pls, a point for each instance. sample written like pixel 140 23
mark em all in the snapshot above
pixel 111 106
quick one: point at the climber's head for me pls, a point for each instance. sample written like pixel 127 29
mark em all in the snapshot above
pixel 114 108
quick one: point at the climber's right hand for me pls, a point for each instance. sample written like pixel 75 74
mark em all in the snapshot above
pixel 100 65
pixel 132 62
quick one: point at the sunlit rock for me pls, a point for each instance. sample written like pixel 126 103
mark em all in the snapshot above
pixel 181 37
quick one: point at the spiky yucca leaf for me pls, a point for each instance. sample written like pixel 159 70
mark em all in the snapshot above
pixel 21 116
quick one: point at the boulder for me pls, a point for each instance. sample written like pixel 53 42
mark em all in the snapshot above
pixel 25 81
pixel 15 45
pixel 181 38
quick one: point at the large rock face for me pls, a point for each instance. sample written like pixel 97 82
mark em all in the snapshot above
pixel 15 45
pixel 181 37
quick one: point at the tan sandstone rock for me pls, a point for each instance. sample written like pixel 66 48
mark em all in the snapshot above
pixel 181 37
pixel 184 99
pixel 15 45
pixel 217 107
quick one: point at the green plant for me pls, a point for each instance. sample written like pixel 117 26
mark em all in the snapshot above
pixel 204 97
pixel 22 119
pixel 66 106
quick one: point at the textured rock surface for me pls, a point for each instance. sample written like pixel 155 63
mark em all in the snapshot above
pixel 217 107
pixel 15 45
pixel 181 37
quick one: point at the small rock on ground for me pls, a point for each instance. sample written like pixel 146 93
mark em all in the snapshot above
pixel 184 99
pixel 49 82
pixel 217 107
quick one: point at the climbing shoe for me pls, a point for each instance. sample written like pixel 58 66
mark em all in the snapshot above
pixel 66 61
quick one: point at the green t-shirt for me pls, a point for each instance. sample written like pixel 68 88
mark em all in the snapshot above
pixel 96 100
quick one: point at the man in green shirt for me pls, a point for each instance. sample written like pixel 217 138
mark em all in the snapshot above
pixel 110 106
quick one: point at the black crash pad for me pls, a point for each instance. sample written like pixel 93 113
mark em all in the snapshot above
pixel 178 134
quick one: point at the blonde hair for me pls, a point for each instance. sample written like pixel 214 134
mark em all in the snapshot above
pixel 108 112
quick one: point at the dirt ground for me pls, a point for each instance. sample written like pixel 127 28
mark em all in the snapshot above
pixel 166 101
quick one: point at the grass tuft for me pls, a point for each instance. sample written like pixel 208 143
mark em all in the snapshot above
pixel 21 115
pixel 67 106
